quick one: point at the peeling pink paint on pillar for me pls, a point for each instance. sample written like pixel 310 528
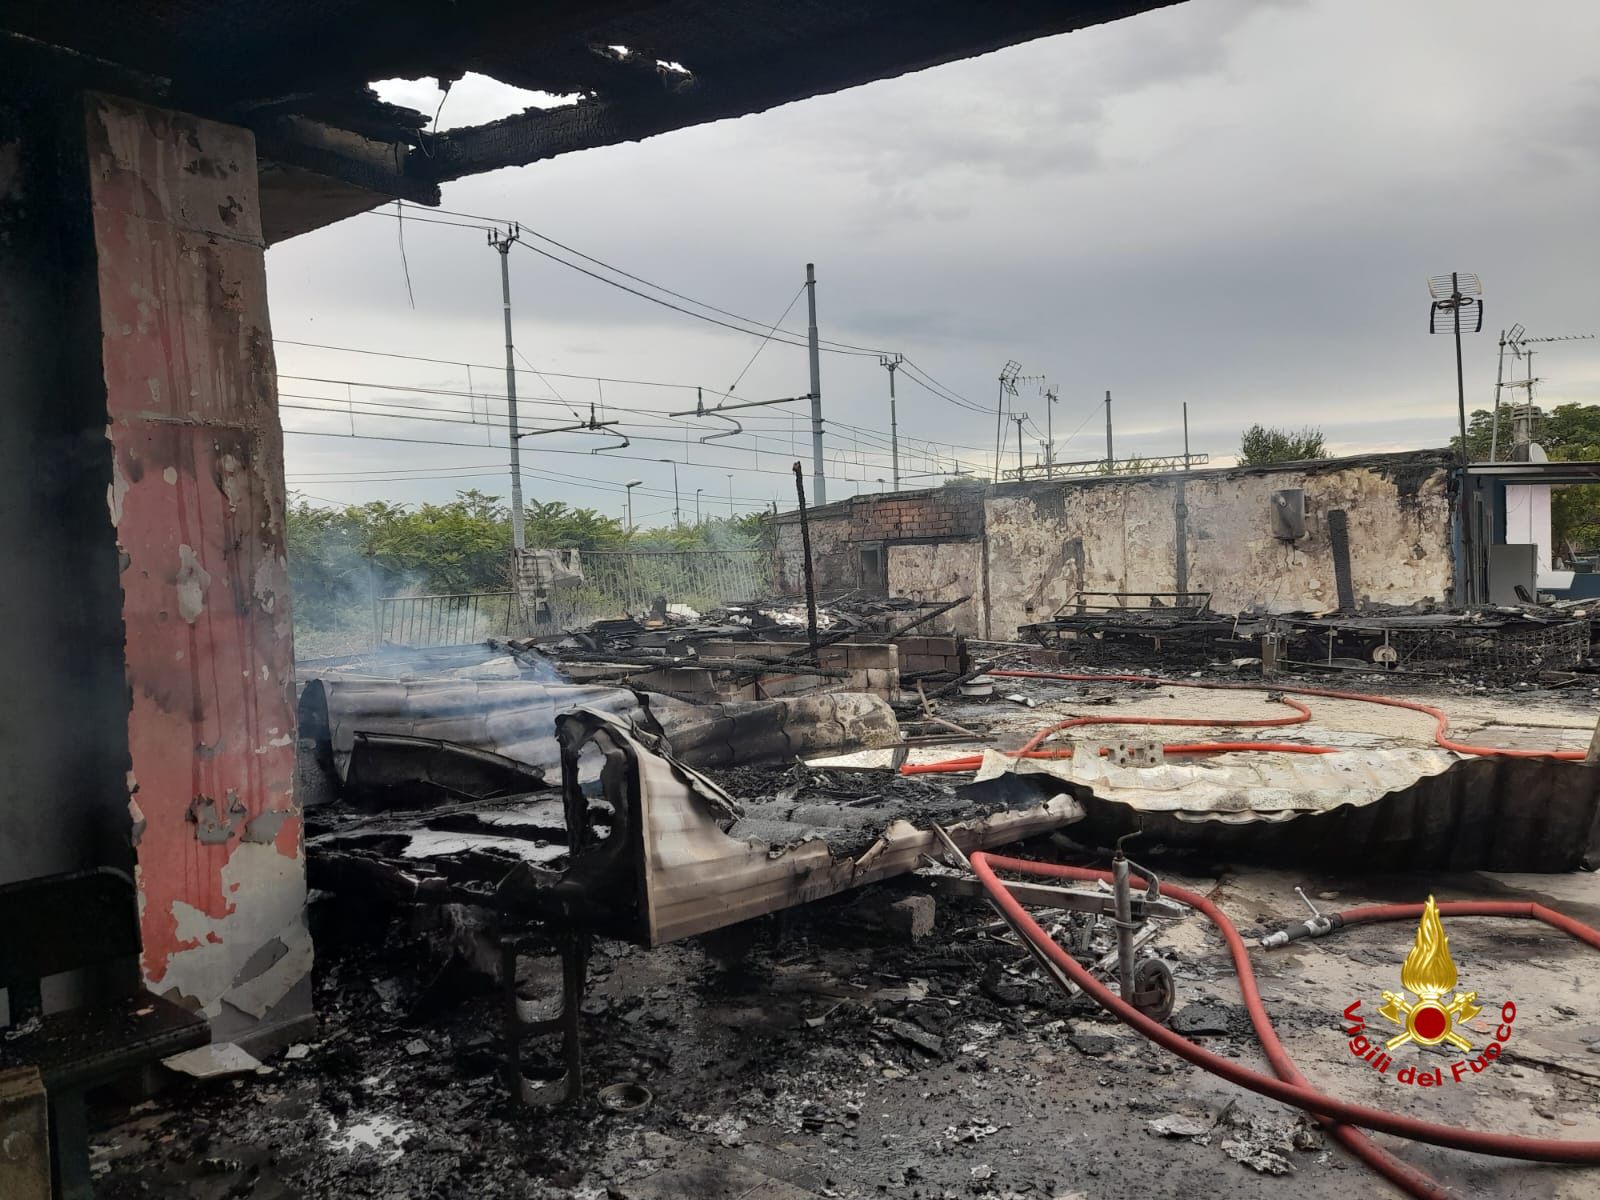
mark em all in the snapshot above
pixel 198 504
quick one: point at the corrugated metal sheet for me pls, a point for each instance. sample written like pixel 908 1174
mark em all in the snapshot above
pixel 1404 810
pixel 514 718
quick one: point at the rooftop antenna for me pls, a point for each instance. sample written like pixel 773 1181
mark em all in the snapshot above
pixel 1457 307
pixel 1508 337
pixel 1517 339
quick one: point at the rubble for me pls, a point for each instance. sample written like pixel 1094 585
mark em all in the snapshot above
pixel 640 842
pixel 726 1049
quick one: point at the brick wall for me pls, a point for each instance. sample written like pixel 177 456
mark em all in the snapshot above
pixel 927 654
pixel 838 531
pixel 940 515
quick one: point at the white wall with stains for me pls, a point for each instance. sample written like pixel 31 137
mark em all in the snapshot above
pixel 1042 542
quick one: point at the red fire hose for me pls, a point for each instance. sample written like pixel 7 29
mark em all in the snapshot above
pixel 1291 1087
pixel 1302 714
pixel 1030 749
pixel 1441 721
pixel 971 762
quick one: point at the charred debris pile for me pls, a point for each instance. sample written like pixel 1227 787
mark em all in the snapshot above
pixel 1551 644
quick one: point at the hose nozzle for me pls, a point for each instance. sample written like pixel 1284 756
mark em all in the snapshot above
pixel 1319 925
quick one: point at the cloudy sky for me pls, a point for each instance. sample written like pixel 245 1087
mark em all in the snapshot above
pixel 1234 204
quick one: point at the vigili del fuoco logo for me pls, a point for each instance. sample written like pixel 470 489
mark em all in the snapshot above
pixel 1430 1020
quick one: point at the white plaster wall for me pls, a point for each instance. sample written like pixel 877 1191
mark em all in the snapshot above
pixel 835 561
pixel 1528 519
pixel 941 571
pixel 1046 543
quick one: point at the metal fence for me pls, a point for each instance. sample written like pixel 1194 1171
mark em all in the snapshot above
pixel 454 620
pixel 621 582
pixel 616 583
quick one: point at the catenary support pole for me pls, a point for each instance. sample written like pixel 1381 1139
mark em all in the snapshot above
pixel 502 243
pixel 1185 435
pixel 1110 457
pixel 1050 399
pixel 819 483
pixel 1461 384
pixel 890 364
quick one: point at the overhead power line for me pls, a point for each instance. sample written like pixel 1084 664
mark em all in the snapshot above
pixel 721 466
pixel 589 258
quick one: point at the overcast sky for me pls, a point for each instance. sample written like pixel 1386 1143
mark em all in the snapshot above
pixel 1234 204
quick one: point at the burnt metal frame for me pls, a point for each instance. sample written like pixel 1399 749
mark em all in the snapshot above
pixel 522 1018
pixel 1182 605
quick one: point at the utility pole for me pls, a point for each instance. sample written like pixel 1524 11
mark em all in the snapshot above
pixel 730 495
pixel 1019 420
pixel 677 514
pixel 697 492
pixel 1461 385
pixel 1051 396
pixel 818 483
pixel 1499 385
pixel 1008 383
pixel 502 243
pixel 1110 458
pixel 1185 435
pixel 889 364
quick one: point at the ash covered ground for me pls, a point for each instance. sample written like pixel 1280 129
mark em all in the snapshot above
pixel 824 1053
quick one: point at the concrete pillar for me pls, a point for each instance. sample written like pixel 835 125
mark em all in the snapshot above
pixel 24 1136
pixel 196 507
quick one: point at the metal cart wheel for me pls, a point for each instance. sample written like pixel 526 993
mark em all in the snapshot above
pixel 1154 991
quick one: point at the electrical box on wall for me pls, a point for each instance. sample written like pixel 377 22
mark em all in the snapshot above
pixel 1289 514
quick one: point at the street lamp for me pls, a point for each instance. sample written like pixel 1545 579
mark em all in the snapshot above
pixel 677 515
pixel 697 492
pixel 628 491
pixel 1457 302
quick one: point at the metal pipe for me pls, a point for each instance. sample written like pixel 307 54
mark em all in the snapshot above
pixel 1123 896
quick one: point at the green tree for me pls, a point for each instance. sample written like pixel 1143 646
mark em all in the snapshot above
pixel 1261 445
pixel 1568 433
pixel 557 526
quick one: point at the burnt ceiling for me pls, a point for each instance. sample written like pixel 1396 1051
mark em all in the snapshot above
pixel 297 72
